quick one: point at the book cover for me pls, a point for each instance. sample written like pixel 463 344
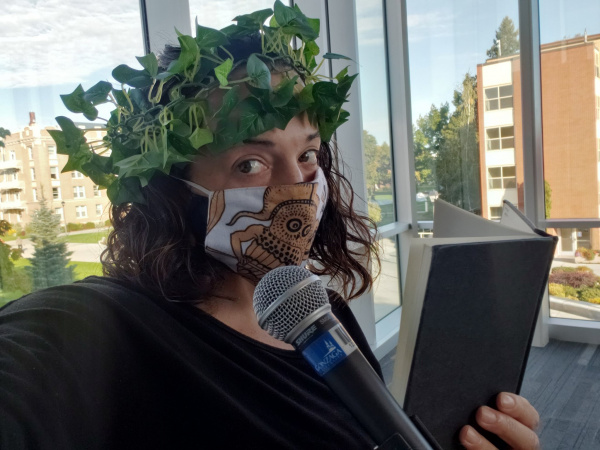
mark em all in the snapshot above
pixel 469 313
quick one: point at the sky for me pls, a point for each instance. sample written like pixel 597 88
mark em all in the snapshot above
pixel 47 47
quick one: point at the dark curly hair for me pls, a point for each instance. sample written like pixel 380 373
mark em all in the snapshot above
pixel 154 246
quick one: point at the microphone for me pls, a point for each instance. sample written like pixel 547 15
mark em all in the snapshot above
pixel 292 305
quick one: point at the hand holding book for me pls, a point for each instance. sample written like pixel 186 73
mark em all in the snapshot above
pixel 515 422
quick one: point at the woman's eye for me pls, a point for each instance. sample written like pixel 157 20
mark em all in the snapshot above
pixel 309 157
pixel 250 166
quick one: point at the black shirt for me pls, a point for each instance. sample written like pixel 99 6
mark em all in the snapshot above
pixel 98 364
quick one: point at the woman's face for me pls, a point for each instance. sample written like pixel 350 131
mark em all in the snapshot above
pixel 273 158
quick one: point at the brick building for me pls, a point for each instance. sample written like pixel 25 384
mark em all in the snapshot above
pixel 570 71
pixel 31 168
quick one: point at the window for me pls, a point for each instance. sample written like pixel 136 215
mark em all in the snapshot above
pixel 597 108
pixel 98 209
pixel 30 152
pixel 14 176
pixel 54 172
pixel 502 177
pixel 498 97
pixel 500 138
pixel 81 211
pixel 17 196
pixel 13 155
pixel 55 193
pixel 597 65
pixel 52 151
pixel 32 174
pixel 35 197
pixel 495 212
pixel 59 212
pixel 78 192
pixel 97 191
pixel 76 174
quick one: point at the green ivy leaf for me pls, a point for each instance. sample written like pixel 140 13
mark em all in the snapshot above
pixel 230 100
pixel 180 128
pixel 335 56
pixel 222 71
pixel 209 37
pixel 283 92
pixel 187 58
pixel 311 50
pixel 253 21
pixel 98 93
pixel 149 63
pixel 77 104
pixel 125 190
pixel 135 78
pixel 73 136
pixel 75 162
pixel 120 97
pixel 200 137
pixel 284 14
pixel 258 72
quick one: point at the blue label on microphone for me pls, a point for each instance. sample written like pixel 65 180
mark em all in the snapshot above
pixel 329 349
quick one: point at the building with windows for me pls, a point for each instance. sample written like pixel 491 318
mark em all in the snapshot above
pixel 570 78
pixel 30 168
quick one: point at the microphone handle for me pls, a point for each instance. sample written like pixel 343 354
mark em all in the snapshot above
pixel 326 345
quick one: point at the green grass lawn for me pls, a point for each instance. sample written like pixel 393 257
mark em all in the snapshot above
pixel 86 238
pixel 81 271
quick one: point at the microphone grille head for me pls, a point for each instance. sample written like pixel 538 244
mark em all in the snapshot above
pixel 279 315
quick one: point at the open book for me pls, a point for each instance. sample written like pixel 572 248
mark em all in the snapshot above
pixel 470 305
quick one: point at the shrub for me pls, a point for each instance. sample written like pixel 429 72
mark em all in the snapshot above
pixel 583 269
pixel 89 226
pixel 16 253
pixel 563 269
pixel 587 253
pixel 587 294
pixel 574 279
pixel 74 226
pixel 107 223
pixel 595 300
pixel 564 291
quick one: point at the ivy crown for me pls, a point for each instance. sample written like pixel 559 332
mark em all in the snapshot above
pixel 162 118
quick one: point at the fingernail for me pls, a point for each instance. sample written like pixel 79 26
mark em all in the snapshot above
pixel 488 416
pixel 471 437
pixel 507 401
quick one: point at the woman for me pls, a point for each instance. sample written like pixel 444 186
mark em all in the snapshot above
pixel 166 352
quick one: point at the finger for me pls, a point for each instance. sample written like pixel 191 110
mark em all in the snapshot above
pixel 519 408
pixel 471 439
pixel 510 430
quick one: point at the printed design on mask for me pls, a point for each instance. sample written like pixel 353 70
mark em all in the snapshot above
pixel 286 240
pixel 216 209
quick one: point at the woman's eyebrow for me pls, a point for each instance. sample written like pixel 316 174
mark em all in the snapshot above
pixel 269 143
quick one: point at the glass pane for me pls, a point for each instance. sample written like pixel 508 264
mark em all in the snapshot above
pixel 42 59
pixel 506 102
pixel 221 13
pixel 510 183
pixel 491 93
pixel 575 277
pixel 570 40
pixel 495 172
pixel 508 143
pixel 506 90
pixel 492 133
pixel 507 131
pixel 508 171
pixel 387 286
pixel 375 113
pixel 454 95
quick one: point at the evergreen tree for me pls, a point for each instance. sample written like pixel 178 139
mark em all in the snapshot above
pixel 50 257
pixel 457 163
pixel 3 134
pixel 428 139
pixel 507 40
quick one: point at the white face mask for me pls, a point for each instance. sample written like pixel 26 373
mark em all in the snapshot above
pixel 256 229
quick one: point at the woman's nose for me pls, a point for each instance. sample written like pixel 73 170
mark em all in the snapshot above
pixel 288 173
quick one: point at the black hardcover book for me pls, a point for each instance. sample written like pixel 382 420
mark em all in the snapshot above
pixel 470 306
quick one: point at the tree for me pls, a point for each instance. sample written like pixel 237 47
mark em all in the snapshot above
pixel 3 134
pixel 50 257
pixel 507 40
pixel 547 198
pixel 378 165
pixel 457 163
pixel 428 138
pixel 6 265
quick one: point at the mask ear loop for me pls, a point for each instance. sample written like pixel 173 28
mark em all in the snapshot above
pixel 193 185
